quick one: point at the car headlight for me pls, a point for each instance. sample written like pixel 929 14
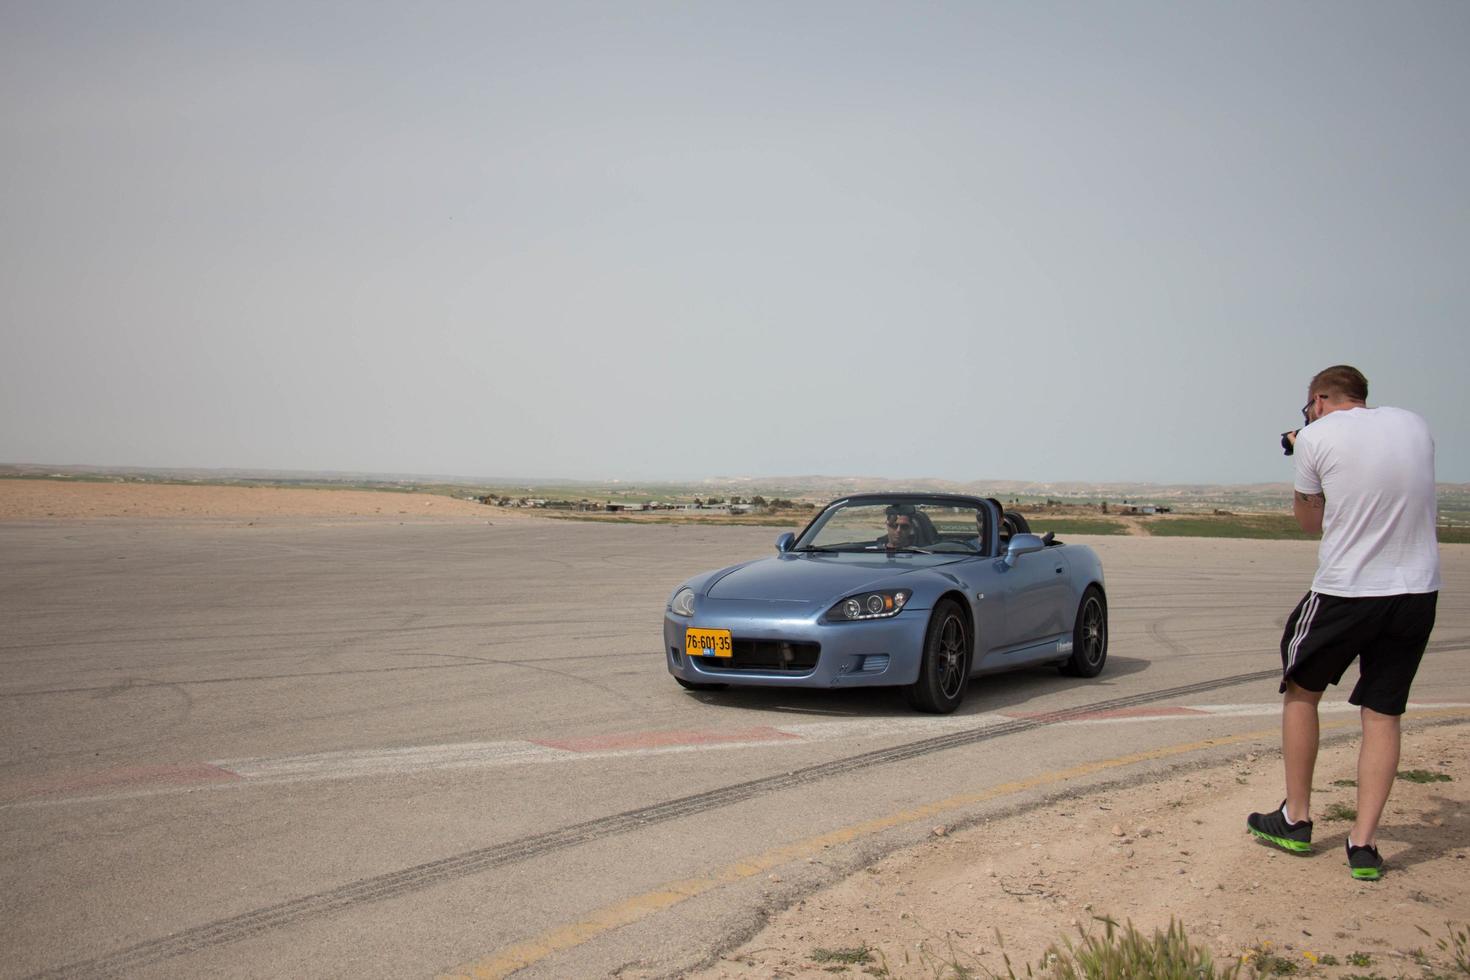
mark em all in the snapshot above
pixel 683 604
pixel 870 605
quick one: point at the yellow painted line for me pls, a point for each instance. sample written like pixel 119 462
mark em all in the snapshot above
pixel 504 962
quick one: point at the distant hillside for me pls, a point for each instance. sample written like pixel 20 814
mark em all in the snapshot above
pixel 1065 490
pixel 1454 497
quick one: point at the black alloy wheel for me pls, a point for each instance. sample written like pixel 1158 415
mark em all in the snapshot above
pixel 1089 636
pixel 945 668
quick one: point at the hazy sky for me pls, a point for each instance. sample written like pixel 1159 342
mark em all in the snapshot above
pixel 673 240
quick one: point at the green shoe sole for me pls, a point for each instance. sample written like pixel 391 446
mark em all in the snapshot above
pixel 1367 874
pixel 1285 843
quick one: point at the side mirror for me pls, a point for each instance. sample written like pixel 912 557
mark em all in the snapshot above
pixel 785 541
pixel 1023 544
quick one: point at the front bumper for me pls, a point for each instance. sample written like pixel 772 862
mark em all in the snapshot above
pixel 775 648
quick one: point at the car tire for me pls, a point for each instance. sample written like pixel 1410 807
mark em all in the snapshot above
pixel 1089 636
pixel 944 669
pixel 692 686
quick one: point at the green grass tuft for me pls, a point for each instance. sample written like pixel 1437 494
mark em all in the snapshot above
pixel 847 954
pixel 1340 811
pixel 1456 945
pixel 1423 776
pixel 1126 952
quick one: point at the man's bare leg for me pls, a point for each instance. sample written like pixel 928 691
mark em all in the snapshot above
pixel 1299 737
pixel 1378 763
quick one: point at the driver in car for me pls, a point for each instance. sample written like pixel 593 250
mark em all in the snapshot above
pixel 900 534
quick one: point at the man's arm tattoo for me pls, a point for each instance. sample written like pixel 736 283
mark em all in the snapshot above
pixel 1312 499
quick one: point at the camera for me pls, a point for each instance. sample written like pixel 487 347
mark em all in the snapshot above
pixel 1287 446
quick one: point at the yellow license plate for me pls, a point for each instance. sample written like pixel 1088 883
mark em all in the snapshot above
pixel 708 643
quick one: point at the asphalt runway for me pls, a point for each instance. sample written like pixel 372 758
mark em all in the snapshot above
pixel 390 750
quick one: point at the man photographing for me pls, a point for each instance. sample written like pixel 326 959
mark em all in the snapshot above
pixel 1365 482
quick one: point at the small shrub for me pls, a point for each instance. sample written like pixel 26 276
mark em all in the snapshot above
pixel 1423 776
pixel 1265 963
pixel 849 954
pixel 1359 959
pixel 1341 811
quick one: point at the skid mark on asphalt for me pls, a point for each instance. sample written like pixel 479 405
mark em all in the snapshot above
pixel 1157 632
pixel 657 740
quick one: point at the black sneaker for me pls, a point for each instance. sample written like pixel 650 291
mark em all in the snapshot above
pixel 1365 861
pixel 1273 828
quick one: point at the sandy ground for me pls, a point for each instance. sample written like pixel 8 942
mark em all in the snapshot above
pixel 1143 854
pixel 1175 847
pixel 71 500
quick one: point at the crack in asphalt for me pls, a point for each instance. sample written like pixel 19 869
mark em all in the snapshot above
pixel 405 881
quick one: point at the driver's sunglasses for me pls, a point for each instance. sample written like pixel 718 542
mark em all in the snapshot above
pixel 898 522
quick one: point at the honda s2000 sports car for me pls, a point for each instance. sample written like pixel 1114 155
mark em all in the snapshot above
pixel 916 591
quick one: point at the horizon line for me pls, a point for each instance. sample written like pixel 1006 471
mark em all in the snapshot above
pixel 265 473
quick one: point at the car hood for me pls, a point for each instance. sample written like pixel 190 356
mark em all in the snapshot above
pixel 810 578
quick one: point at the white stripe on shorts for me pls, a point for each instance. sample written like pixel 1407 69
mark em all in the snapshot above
pixel 1303 626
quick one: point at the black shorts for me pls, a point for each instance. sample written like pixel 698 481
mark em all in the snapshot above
pixel 1386 633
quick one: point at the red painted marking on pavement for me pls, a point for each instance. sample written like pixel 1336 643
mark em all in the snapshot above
pixel 132 776
pixel 658 740
pixel 1117 713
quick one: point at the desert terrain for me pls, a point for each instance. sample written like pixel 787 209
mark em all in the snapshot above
pixel 996 895
pixel 71 500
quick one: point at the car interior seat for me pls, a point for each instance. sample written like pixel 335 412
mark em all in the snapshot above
pixel 1012 522
pixel 925 534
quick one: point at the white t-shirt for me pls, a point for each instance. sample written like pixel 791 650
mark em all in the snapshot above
pixel 1376 468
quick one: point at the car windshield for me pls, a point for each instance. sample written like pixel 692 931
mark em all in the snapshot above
pixel 897 524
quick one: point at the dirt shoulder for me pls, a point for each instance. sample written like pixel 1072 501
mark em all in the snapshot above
pixel 64 500
pixel 76 500
pixel 1172 848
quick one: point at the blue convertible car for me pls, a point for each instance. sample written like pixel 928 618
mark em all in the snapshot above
pixel 918 591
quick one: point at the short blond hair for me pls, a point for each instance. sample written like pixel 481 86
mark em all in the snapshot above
pixel 1340 381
